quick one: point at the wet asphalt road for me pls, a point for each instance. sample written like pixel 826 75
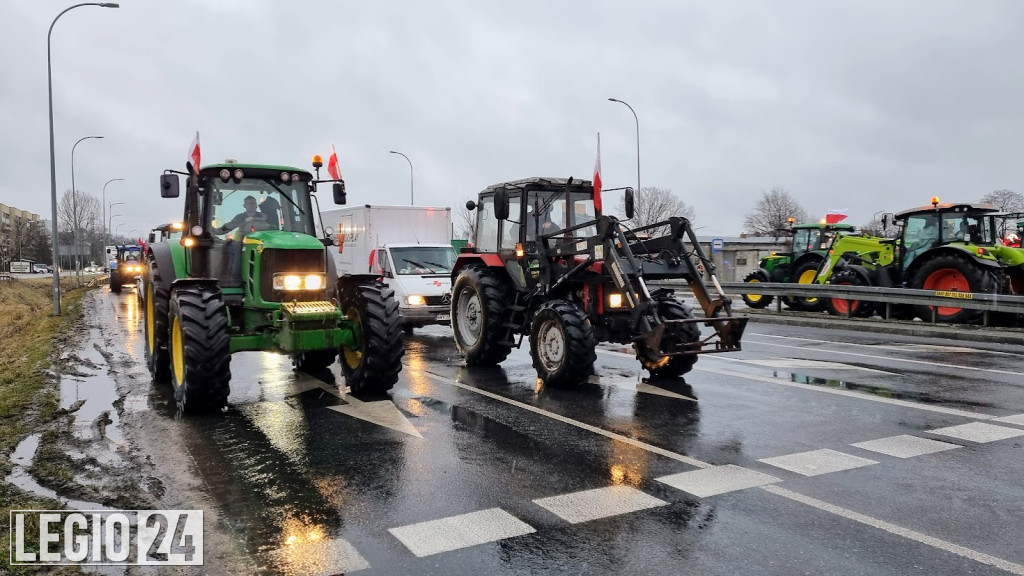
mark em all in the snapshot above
pixel 484 471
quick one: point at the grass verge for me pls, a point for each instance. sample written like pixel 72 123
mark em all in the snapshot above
pixel 29 338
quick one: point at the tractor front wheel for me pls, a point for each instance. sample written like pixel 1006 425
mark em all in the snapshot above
pixel 841 306
pixel 952 273
pixel 757 300
pixel 677 337
pixel 373 366
pixel 200 349
pixel 562 345
pixel 806 274
pixel 478 312
pixel 156 308
pixel 115 282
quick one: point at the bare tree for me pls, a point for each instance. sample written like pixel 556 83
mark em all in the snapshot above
pixel 653 205
pixel 465 223
pixel 772 213
pixel 875 228
pixel 1005 201
pixel 81 212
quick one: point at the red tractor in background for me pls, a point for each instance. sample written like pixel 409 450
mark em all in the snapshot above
pixel 547 265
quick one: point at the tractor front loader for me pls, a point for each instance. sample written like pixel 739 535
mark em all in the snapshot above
pixel 547 265
pixel 248 273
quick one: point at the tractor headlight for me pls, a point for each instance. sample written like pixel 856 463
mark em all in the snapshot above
pixel 416 300
pixel 299 281
pixel 615 300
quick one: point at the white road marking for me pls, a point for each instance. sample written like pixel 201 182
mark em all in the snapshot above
pixel 817 462
pixel 824 506
pixel 318 557
pixel 803 363
pixel 978 432
pixel 850 394
pixel 462 531
pixel 1015 419
pixel 905 446
pixel 381 412
pixel 588 505
pixel 640 387
pixel 873 356
pixel 632 442
pixel 717 480
pixel 898 530
pixel 936 348
pixel 645 388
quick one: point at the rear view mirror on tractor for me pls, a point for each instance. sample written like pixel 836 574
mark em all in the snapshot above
pixel 501 203
pixel 168 185
pixel 339 193
pixel 629 202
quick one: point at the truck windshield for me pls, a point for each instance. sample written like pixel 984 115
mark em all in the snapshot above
pixel 255 204
pixel 423 260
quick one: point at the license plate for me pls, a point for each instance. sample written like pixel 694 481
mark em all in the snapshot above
pixel 444 317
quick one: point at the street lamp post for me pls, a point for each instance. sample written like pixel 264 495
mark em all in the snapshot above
pixel 411 195
pixel 117 228
pixel 637 140
pixel 107 228
pixel 110 210
pixel 74 209
pixel 53 161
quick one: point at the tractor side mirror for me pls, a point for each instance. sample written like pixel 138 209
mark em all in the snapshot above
pixel 470 205
pixel 501 203
pixel 168 185
pixel 152 237
pixel 630 203
pixel 339 193
pixel 885 222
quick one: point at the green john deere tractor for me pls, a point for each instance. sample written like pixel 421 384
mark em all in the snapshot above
pixel 249 273
pixel 943 247
pixel 810 242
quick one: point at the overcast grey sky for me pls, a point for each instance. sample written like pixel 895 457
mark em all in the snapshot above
pixel 865 105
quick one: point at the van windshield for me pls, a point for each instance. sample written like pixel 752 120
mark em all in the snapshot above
pixel 423 260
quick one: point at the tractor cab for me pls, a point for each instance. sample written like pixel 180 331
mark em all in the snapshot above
pixel 967 227
pixel 537 209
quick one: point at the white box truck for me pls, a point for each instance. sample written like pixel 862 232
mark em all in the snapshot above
pixel 409 246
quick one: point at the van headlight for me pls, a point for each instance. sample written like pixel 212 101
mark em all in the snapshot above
pixel 300 281
pixel 416 300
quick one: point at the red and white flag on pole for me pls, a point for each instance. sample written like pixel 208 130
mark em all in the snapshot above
pixel 835 215
pixel 597 177
pixel 193 154
pixel 332 165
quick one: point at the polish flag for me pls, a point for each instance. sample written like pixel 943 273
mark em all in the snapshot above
pixel 193 154
pixel 597 177
pixel 332 165
pixel 835 215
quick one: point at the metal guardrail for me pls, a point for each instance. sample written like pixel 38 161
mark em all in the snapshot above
pixel 971 300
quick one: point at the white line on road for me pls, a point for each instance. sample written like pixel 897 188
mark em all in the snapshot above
pixel 898 530
pixel 838 392
pixel 872 356
pixel 587 505
pixel 824 506
pixel 571 422
pixel 455 532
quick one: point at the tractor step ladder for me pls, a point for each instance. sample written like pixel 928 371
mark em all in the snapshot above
pixel 514 326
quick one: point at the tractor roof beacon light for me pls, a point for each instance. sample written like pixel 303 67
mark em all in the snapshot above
pixel 318 162
pixel 935 201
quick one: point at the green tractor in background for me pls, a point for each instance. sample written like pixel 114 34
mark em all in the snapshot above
pixel 943 247
pixel 809 245
pixel 247 272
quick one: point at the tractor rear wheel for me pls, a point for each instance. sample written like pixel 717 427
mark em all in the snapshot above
pixel 156 308
pixel 952 273
pixel 757 300
pixel 478 312
pixel 841 306
pixel 562 345
pixel 806 274
pixel 314 360
pixel 200 349
pixel 372 368
pixel 677 337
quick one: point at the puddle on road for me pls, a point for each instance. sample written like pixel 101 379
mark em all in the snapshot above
pixel 21 459
pixel 875 390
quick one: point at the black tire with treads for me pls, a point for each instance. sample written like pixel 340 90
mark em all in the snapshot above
pixel 757 300
pixel 578 352
pixel 678 336
pixel 155 309
pixel 838 306
pixel 479 307
pixel 372 368
pixel 200 349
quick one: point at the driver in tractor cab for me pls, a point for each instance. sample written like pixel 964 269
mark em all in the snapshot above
pixel 544 223
pixel 249 220
pixel 924 240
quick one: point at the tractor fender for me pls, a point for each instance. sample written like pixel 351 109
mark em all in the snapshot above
pixel 489 260
pixel 161 253
pixel 179 282
pixel 990 263
pixel 355 280
pixel 860 271
pixel 815 256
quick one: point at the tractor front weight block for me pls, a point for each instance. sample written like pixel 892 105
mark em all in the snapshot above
pixel 308 326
